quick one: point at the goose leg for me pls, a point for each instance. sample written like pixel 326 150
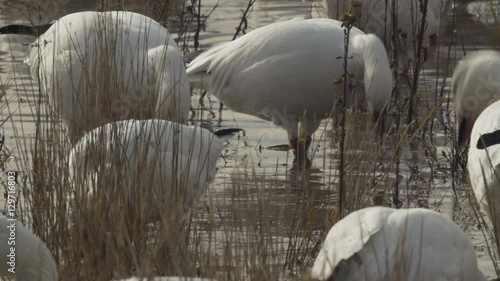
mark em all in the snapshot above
pixel 300 148
pixel 201 100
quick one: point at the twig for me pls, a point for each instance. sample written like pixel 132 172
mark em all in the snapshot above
pixel 348 21
pixel 418 62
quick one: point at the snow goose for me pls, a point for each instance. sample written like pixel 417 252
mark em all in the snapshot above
pixel 284 73
pixel 102 67
pixel 376 16
pixel 484 162
pixel 475 85
pixel 32 261
pixel 158 152
pixel 378 243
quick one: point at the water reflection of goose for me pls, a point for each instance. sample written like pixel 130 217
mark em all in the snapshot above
pixel 102 67
pixel 475 85
pixel 284 73
pixel 380 243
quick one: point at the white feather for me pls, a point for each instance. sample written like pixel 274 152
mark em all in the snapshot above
pixel 102 67
pixel 484 164
pixel 378 244
pixel 376 16
pixel 163 152
pixel 33 260
pixel 475 85
pixel 284 70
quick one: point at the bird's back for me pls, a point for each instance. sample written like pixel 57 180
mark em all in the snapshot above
pixel 32 259
pixel 287 66
pixel 484 160
pixel 376 16
pixel 414 244
pixel 165 153
pixel 97 68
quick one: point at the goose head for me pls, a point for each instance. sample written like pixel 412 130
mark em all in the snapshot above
pixel 474 87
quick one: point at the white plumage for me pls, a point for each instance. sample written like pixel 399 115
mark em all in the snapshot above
pixel 33 260
pixel 285 71
pixel 475 85
pixel 376 16
pixel 103 67
pixel 379 244
pixel 484 162
pixel 157 152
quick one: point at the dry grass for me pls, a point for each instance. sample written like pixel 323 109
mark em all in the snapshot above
pixel 262 227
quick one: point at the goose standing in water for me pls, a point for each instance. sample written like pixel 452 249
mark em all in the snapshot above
pixel 378 244
pixel 483 162
pixel 475 85
pixel 155 152
pixel 284 73
pixel 102 67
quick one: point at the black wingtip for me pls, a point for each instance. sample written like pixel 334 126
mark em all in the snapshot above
pixel 488 140
pixel 462 138
pixel 25 29
pixel 189 57
pixel 227 132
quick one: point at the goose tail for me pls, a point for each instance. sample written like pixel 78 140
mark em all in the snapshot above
pixel 378 80
pixel 225 134
pixel 199 68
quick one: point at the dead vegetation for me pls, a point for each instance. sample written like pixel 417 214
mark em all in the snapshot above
pixel 254 224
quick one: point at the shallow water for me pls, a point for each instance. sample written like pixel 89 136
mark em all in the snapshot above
pixel 421 181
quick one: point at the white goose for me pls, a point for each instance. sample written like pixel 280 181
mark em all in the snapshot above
pixel 376 16
pixel 102 67
pixel 284 73
pixel 378 243
pixel 33 260
pixel 162 152
pixel 475 85
pixel 484 162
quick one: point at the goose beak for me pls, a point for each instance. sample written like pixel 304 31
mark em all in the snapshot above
pixel 464 131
